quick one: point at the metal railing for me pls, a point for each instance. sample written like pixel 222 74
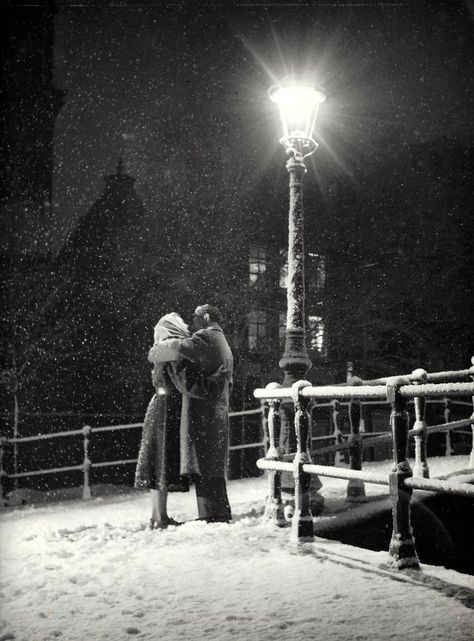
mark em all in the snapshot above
pixel 375 438
pixel 401 481
pixel 87 464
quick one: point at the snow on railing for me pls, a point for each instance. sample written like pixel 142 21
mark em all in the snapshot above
pixel 87 465
pixel 368 391
pixel 356 393
pixel 394 390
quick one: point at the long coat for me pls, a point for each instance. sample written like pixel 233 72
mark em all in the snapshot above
pixel 204 420
pixel 159 459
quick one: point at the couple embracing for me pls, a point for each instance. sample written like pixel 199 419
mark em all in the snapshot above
pixel 186 427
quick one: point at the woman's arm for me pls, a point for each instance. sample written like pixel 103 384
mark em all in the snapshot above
pixel 174 348
pixel 165 351
pixel 197 385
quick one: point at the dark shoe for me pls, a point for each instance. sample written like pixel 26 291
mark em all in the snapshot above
pixel 216 519
pixel 162 525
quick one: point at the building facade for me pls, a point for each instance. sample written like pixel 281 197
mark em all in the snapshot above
pixel 30 104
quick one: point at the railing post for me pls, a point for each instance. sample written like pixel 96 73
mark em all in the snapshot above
pixel 337 433
pixel 302 521
pixel 3 442
pixel 447 418
pixel 402 545
pixel 274 506
pixel 87 463
pixel 362 418
pixel 421 464
pixel 316 500
pixel 264 424
pixel 349 370
pixel 471 376
pixel 355 492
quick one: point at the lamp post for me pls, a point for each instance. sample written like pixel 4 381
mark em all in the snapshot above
pixel 298 105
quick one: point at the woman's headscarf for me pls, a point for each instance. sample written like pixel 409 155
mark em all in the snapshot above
pixel 170 326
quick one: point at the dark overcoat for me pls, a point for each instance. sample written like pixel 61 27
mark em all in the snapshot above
pixel 204 419
pixel 158 465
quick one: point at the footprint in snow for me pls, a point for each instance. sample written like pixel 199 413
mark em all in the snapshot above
pixel 66 531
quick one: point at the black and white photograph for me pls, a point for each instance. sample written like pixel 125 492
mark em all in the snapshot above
pixel 237 320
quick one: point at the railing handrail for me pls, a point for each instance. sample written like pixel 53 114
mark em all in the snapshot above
pixel 377 478
pixel 372 439
pixel 105 428
pixel 71 468
pixel 368 391
pixel 384 401
pixel 86 432
pixel 255 411
pixel 433 377
pixel 10 413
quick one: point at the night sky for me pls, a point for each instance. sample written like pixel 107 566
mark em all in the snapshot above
pixel 134 72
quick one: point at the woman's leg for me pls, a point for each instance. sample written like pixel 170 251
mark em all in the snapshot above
pixel 159 515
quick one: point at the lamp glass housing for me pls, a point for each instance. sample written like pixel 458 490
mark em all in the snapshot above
pixel 298 106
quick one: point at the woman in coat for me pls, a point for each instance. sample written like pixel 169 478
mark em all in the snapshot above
pixel 158 466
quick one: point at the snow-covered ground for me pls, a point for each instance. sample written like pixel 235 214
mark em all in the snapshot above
pixel 90 570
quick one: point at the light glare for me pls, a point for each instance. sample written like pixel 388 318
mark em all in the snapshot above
pixel 297 95
pixel 298 105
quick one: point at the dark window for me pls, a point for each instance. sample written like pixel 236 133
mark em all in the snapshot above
pixel 257 262
pixel 316 271
pixel 257 320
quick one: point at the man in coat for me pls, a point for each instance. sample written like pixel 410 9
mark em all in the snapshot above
pixel 204 420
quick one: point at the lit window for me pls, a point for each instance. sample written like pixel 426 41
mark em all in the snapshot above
pixel 316 333
pixel 283 268
pixel 316 270
pixel 282 327
pixel 257 262
pixel 257 328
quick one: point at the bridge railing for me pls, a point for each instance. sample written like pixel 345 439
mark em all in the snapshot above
pixel 338 435
pixel 87 465
pixel 401 481
pixel 357 440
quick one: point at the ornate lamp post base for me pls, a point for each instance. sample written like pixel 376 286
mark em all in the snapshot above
pixel 295 364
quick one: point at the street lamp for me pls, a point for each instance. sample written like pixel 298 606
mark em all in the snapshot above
pixel 298 105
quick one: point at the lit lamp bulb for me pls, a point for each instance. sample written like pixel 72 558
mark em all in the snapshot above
pixel 298 106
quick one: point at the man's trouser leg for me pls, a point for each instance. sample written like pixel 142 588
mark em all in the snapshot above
pixel 213 504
